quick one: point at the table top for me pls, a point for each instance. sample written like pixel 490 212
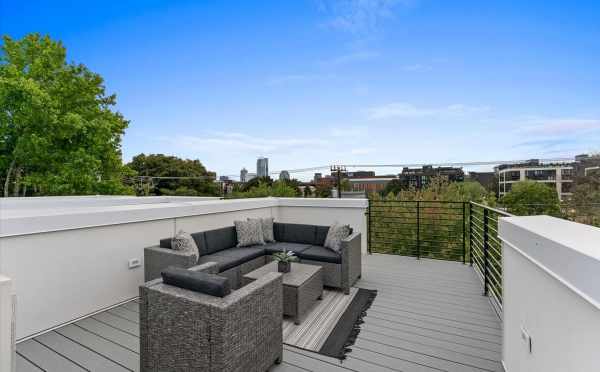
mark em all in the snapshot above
pixel 297 276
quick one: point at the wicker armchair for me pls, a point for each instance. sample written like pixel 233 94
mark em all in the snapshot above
pixel 182 330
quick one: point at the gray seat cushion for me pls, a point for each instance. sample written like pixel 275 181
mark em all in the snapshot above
pixel 318 253
pixel 232 257
pixel 281 246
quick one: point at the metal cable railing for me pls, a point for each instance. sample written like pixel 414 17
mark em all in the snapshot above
pixel 455 231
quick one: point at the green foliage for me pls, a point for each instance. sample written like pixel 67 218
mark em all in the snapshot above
pixel 440 189
pixel 255 182
pixel 323 191
pixel 307 192
pixel 58 134
pixel 584 206
pixel 264 189
pixel 199 183
pixel 285 256
pixel 440 213
pixel 528 198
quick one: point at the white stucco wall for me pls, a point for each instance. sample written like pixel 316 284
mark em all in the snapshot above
pixel 68 264
pixel 551 282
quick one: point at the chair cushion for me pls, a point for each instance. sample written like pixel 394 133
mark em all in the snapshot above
pixel 296 233
pixel 233 257
pixel 219 239
pixel 196 281
pixel 318 253
pixel 281 246
pixel 198 239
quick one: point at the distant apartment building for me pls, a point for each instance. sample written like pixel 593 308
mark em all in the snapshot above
pixel 244 175
pixel 556 175
pixel 284 175
pixel 262 167
pixel 370 184
pixel 224 178
pixel 419 178
pixel 586 165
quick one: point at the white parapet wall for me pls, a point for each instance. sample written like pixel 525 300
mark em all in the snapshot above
pixel 551 295
pixel 69 262
pixel 7 325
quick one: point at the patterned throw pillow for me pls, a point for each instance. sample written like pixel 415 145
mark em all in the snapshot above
pixel 335 235
pixel 249 232
pixel 182 241
pixel 267 228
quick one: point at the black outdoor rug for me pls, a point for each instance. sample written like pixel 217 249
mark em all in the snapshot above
pixel 348 327
pixel 333 323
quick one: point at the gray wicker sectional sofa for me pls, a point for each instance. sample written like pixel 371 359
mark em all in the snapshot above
pixel 219 246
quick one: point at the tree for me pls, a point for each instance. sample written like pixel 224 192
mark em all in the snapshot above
pixel 528 198
pixel 585 202
pixel 188 177
pixel 264 189
pixel 394 187
pixel 323 191
pixel 58 134
pixel 254 182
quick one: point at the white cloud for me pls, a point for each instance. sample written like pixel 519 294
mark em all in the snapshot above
pixel 359 16
pixel 408 110
pixel 243 143
pixel 559 126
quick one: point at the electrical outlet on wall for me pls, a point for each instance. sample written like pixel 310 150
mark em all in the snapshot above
pixel 134 262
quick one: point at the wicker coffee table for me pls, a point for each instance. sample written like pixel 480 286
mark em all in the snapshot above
pixel 302 287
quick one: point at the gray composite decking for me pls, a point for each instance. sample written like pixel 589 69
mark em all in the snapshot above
pixel 428 316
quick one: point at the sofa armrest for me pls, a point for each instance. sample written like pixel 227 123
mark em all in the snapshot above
pixel 156 259
pixel 207 267
pixel 351 260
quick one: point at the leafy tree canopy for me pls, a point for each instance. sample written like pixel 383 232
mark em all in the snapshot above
pixel 195 179
pixel 58 132
pixel 439 188
pixel 264 189
pixel 532 198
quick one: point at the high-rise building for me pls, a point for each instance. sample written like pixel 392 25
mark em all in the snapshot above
pixel 262 167
pixel 284 175
pixel 244 175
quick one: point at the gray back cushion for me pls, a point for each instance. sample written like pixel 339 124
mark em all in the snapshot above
pixel 321 235
pixel 219 239
pixel 295 233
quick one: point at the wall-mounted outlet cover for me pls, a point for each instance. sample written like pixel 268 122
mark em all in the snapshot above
pixel 134 262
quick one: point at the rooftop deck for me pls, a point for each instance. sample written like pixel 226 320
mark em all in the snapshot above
pixel 428 316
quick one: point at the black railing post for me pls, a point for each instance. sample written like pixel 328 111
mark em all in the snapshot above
pixel 471 233
pixel 418 230
pixel 464 231
pixel 485 253
pixel 369 228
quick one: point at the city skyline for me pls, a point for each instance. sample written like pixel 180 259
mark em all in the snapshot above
pixel 338 82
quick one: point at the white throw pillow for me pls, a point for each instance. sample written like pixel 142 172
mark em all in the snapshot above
pixel 182 241
pixel 267 228
pixel 249 232
pixel 335 235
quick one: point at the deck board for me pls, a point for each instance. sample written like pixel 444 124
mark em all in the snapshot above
pixel 428 316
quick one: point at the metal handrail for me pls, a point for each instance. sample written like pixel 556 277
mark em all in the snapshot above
pixel 449 230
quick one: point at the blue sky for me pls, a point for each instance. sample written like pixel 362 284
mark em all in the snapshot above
pixel 320 82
